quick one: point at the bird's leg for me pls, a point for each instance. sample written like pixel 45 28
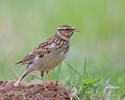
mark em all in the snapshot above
pixel 51 82
pixel 42 73
pixel 49 76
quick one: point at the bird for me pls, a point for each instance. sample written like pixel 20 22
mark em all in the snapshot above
pixel 48 54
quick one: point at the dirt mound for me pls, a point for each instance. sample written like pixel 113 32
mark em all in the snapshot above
pixel 32 91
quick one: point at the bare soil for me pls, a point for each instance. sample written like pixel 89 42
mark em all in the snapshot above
pixel 32 91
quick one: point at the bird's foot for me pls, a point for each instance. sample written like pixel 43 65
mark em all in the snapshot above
pixel 52 83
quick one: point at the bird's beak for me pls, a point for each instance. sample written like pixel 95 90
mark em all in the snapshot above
pixel 75 29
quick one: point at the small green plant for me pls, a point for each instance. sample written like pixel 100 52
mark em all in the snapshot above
pixel 88 89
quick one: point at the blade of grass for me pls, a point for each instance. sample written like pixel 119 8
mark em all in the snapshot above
pixel 71 67
pixel 85 71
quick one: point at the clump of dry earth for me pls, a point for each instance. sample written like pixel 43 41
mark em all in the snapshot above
pixel 32 91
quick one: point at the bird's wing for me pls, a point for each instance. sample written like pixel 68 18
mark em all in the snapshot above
pixel 39 51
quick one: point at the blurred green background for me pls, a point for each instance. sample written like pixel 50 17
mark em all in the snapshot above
pixel 26 23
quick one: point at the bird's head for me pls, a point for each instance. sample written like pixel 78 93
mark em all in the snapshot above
pixel 66 32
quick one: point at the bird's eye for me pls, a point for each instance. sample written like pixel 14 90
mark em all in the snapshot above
pixel 67 29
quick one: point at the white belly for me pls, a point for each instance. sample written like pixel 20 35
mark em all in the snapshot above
pixel 48 62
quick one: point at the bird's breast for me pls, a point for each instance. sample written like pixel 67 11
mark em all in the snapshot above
pixel 50 61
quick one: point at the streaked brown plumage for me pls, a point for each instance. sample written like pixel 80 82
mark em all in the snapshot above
pixel 50 53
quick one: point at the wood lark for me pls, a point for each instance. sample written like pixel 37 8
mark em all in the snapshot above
pixel 49 54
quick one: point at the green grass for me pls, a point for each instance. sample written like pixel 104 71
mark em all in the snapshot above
pixel 85 88
pixel 25 23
